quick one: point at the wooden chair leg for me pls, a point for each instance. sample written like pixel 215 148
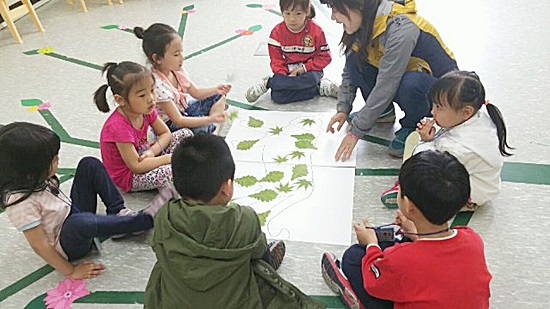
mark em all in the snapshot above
pixel 71 2
pixel 83 5
pixel 5 12
pixel 110 2
pixel 120 1
pixel 33 15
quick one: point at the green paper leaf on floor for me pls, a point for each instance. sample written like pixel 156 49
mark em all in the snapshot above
pixel 307 122
pixel 255 28
pixel 246 181
pixel 306 136
pixel 109 27
pixel 297 154
pixel 255 123
pixel 298 171
pixel 273 176
pixel 254 5
pixel 31 102
pixel 233 115
pixel 285 188
pixel 246 145
pixel 304 144
pixel 263 217
pixel 266 195
pixel 302 183
pixel 275 131
pixel 280 159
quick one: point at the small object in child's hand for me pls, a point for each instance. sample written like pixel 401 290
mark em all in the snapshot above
pixel 385 233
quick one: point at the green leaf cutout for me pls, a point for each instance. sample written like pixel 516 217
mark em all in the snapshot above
pixel 266 195
pixel 246 145
pixel 255 28
pixel 297 154
pixel 304 144
pixel 284 188
pixel 275 131
pixel 306 136
pixel 254 5
pixel 302 183
pixel 246 181
pixel 307 122
pixel 273 176
pixel 255 123
pixel 280 159
pixel 109 27
pixel 299 170
pixel 233 115
pixel 263 217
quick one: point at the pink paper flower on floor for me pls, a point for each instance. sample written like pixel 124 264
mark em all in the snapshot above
pixel 45 50
pixel 66 292
pixel 243 32
pixel 122 27
pixel 45 105
pixel 268 6
pixel 187 11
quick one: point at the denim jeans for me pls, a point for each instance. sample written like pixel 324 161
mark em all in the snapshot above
pixel 198 108
pixel 83 224
pixel 411 96
pixel 288 89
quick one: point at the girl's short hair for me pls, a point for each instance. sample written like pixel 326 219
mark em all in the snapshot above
pixel 305 5
pixel 26 154
pixel 121 77
pixel 155 39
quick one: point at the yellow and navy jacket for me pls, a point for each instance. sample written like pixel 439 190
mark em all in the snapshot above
pixel 402 41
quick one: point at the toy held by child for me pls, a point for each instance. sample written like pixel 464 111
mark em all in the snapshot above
pixel 205 111
pixel 60 228
pixel 209 254
pixel 299 52
pixel 133 163
pixel 438 267
pixel 471 129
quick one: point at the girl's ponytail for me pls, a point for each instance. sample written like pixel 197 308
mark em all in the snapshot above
pixel 311 11
pixel 100 98
pixel 496 116
pixel 138 31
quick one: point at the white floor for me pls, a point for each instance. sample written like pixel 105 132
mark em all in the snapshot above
pixel 505 43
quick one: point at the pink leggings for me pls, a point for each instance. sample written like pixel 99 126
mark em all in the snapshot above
pixel 161 175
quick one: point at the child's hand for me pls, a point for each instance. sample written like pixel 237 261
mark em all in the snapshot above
pixel 223 89
pixel 404 223
pixel 218 117
pixel 365 236
pixel 426 129
pixel 297 71
pixel 87 270
pixel 146 154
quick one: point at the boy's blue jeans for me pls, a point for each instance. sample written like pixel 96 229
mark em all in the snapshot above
pixel 412 94
pixel 351 266
pixel 82 224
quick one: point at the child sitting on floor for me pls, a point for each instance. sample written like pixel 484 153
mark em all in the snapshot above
pixel 442 267
pixel 209 254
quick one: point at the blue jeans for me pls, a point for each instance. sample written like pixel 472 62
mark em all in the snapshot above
pixel 198 108
pixel 351 266
pixel 82 224
pixel 288 89
pixel 411 96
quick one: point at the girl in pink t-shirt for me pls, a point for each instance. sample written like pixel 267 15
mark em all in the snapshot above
pixel 60 228
pixel 162 46
pixel 131 160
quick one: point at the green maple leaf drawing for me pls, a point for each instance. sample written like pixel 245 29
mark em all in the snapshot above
pixel 284 188
pixel 255 123
pixel 266 195
pixel 307 122
pixel 304 144
pixel 299 170
pixel 246 145
pixel 273 176
pixel 306 136
pixel 263 217
pixel 233 115
pixel 275 131
pixel 280 159
pixel 246 181
pixel 297 154
pixel 304 183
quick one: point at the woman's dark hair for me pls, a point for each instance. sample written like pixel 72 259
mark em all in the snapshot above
pixel 155 39
pixel 121 77
pixel 463 88
pixel 363 35
pixel 437 183
pixel 26 154
pixel 302 4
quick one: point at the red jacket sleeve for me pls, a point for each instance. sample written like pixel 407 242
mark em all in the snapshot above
pixel 322 52
pixel 276 53
pixel 379 277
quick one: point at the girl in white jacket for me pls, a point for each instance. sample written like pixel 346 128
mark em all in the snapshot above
pixel 471 129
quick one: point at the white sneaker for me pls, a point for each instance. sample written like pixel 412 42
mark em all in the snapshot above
pixel 328 88
pixel 255 92
pixel 124 212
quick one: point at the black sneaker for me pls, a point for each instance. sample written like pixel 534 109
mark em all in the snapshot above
pixel 277 250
